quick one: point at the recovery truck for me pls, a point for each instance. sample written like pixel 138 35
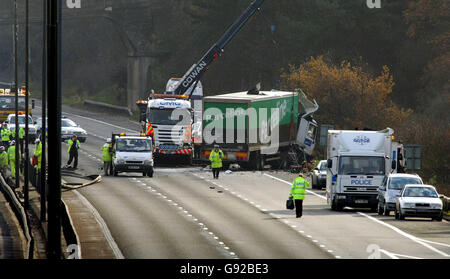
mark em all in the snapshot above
pixel 357 162
pixel 172 136
pixel 259 127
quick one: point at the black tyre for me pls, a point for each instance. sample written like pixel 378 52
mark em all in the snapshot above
pixel 380 209
pixel 150 173
pixel 400 215
pixel 387 212
pixel 439 219
pixel 396 214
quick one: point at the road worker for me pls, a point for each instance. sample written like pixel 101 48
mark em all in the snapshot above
pixel 107 156
pixel 38 154
pixel 3 159
pixel 12 158
pixel 149 131
pixel 21 137
pixel 297 193
pixel 216 157
pixel 74 145
pixel 5 134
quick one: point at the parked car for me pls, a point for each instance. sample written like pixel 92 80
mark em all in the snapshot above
pixel 419 201
pixel 319 175
pixel 391 187
pixel 68 128
pixel 11 124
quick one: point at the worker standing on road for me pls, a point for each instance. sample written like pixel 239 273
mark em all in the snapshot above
pixel 12 158
pixel 149 131
pixel 5 133
pixel 74 145
pixel 216 157
pixel 21 137
pixel 297 192
pixel 38 153
pixel 107 156
pixel 3 159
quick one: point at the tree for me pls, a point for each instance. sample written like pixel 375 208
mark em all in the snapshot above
pixel 348 96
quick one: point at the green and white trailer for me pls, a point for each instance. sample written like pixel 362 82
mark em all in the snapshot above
pixel 255 129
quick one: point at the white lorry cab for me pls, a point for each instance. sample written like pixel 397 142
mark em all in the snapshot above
pixel 132 153
pixel 357 162
pixel 171 119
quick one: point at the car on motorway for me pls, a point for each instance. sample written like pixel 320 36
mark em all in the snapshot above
pixel 11 124
pixel 419 200
pixel 391 187
pixel 68 128
pixel 319 175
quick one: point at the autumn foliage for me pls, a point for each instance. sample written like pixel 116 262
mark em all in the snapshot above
pixel 348 96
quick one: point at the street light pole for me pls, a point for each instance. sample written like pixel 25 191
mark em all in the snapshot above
pixel 42 177
pixel 27 93
pixel 16 85
pixel 54 127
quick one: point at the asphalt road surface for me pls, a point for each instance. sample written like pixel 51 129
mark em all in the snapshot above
pixel 183 213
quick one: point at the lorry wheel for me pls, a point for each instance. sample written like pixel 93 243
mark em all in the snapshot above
pixel 261 161
pixel 335 206
pixel 439 219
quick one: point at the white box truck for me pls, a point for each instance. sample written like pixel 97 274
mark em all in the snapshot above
pixel 357 162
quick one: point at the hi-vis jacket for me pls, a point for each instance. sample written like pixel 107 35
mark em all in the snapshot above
pixel 298 188
pixel 216 159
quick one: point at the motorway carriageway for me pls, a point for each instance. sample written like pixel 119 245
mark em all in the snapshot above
pixel 183 213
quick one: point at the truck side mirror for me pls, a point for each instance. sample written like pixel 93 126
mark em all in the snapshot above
pixel 142 117
pixel 394 165
pixel 329 163
pixel 32 103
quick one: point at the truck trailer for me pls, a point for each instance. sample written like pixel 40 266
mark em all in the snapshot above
pixel 255 128
pixel 357 162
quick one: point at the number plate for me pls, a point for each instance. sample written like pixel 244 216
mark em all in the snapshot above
pixel 361 201
pixel 134 167
pixel 168 147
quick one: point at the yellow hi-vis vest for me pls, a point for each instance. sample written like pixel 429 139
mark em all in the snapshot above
pixel 106 152
pixel 216 158
pixel 298 188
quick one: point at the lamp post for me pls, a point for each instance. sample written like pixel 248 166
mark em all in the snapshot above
pixel 27 90
pixel 54 127
pixel 16 87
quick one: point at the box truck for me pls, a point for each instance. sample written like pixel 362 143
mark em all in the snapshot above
pixel 357 162
pixel 259 127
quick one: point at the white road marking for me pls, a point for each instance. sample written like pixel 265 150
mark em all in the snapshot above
pixel 112 243
pixel 397 230
pixel 186 212
pixel 256 205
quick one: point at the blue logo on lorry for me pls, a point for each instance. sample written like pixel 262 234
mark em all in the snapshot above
pixel 361 140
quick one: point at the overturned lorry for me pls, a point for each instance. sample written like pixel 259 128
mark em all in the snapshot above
pixel 256 128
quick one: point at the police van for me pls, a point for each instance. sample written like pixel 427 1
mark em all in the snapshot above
pixel 357 163
pixel 132 153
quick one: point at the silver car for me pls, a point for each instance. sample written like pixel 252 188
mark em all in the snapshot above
pixel 391 187
pixel 68 128
pixel 419 201
pixel 319 175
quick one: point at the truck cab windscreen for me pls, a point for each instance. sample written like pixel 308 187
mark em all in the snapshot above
pixel 354 165
pixel 134 145
pixel 164 117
